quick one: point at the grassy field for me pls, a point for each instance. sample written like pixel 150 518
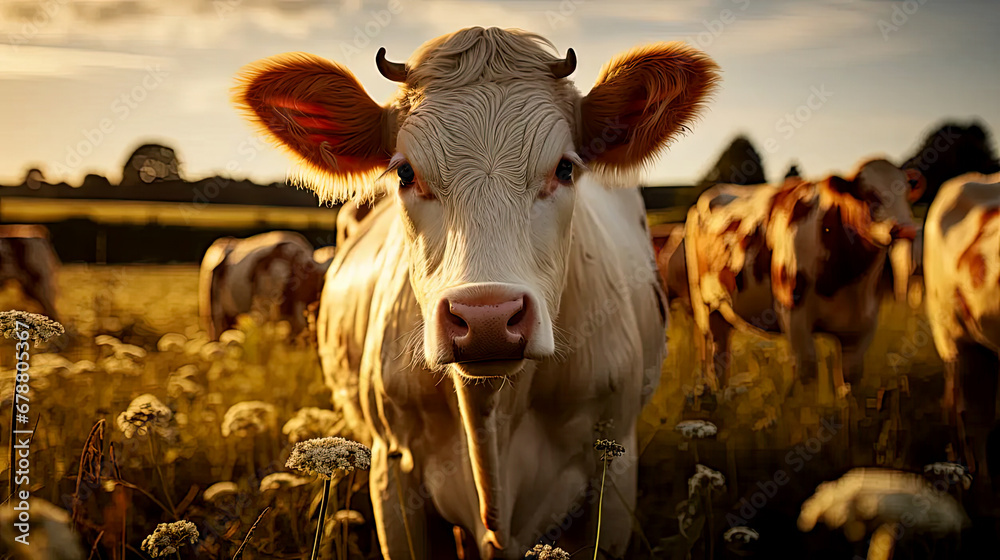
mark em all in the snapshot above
pixel 133 330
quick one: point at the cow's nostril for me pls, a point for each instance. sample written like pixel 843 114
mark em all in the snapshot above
pixel 517 317
pixel 456 320
pixel 458 324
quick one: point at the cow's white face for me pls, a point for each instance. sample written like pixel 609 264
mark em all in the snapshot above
pixel 888 192
pixel 485 187
pixel 480 152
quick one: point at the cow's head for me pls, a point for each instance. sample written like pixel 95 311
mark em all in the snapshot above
pixel 880 195
pixel 480 151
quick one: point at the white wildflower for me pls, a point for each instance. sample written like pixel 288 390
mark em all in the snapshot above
pixel 741 534
pixel 171 342
pixel 247 418
pixel 546 552
pixel 180 382
pixel 144 412
pixel 696 429
pixel 168 537
pixel 281 481
pixel 40 327
pixel 323 457
pixel 220 490
pixel 705 479
pixel 311 423
pixel 950 473
pixel 232 337
pixel 881 496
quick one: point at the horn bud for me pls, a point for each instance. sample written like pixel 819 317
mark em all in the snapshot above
pixel 393 71
pixel 564 67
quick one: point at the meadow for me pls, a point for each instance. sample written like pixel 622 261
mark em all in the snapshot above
pixel 133 330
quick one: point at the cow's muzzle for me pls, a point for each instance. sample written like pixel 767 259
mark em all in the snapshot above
pixel 903 231
pixel 485 327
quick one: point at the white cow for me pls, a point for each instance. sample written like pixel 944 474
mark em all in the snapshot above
pixel 962 276
pixel 28 258
pixel 273 273
pixel 499 302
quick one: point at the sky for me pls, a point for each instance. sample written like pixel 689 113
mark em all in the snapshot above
pixel 824 83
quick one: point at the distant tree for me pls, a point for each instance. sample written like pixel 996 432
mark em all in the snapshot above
pixel 151 163
pixel 951 150
pixel 93 182
pixel 739 164
pixel 34 178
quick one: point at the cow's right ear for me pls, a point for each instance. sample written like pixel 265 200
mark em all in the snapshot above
pixel 317 110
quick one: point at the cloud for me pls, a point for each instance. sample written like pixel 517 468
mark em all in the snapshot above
pixel 34 62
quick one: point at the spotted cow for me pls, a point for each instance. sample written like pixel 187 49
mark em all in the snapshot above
pixel 962 275
pixel 796 259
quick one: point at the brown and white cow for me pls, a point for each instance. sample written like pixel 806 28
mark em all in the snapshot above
pixel 28 258
pixel 797 259
pixel 670 260
pixel 668 242
pixel 273 273
pixel 962 276
pixel 499 302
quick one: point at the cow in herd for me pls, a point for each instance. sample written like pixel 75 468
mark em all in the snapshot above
pixel 803 258
pixel 274 274
pixel 798 259
pixel 28 259
pixel 499 302
pixel 962 275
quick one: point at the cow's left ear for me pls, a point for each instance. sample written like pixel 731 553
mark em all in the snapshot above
pixel 843 186
pixel 642 100
pixel 318 111
pixel 918 184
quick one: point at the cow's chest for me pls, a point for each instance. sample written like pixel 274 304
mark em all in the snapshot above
pixel 846 260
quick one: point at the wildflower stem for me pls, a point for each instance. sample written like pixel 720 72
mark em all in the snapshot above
pixel 322 519
pixel 600 507
pixel 347 510
pixel 163 482
pixel 709 537
pixel 402 512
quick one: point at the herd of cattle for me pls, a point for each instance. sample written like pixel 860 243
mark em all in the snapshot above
pixel 807 257
pixel 485 313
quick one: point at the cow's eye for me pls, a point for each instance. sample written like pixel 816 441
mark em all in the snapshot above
pixel 876 209
pixel 564 171
pixel 406 175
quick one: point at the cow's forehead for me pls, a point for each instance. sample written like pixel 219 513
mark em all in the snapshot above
pixel 881 176
pixel 514 130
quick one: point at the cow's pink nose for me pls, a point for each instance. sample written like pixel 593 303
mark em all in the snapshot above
pixel 480 329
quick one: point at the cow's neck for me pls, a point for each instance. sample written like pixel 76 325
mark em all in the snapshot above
pixel 479 405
